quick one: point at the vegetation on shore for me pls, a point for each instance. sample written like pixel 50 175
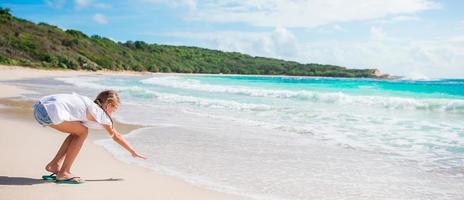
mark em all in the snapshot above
pixel 43 45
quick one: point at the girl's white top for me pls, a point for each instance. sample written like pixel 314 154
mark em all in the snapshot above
pixel 73 107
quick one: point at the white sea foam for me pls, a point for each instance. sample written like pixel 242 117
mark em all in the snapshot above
pixel 91 82
pixel 388 102
pixel 83 81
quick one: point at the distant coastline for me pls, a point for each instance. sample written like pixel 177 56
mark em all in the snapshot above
pixel 133 72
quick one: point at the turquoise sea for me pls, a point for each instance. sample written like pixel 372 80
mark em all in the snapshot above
pixel 280 137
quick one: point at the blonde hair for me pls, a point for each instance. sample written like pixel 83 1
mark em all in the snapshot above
pixel 107 97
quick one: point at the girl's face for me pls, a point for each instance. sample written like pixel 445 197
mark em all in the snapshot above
pixel 110 108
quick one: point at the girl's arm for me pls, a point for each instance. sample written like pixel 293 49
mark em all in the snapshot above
pixel 118 138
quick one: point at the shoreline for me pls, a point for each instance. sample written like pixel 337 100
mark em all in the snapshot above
pixel 137 73
pixel 27 147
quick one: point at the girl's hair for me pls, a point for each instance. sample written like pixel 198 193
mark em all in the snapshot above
pixel 107 97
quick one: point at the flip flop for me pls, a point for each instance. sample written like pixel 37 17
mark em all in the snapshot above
pixel 49 177
pixel 69 181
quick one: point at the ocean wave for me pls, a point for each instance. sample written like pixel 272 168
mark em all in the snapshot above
pixel 339 98
pixel 388 102
pixel 83 82
pixel 210 103
pixel 140 92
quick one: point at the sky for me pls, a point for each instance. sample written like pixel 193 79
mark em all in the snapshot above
pixel 418 39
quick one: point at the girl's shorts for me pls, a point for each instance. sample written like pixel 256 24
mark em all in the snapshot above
pixel 41 114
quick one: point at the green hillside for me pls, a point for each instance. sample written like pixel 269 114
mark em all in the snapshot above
pixel 46 46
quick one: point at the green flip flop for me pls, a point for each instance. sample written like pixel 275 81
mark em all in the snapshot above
pixel 50 177
pixel 69 181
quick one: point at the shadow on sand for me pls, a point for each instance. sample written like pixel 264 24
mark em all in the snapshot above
pixel 7 180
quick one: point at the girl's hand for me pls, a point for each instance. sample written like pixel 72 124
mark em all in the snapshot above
pixel 135 155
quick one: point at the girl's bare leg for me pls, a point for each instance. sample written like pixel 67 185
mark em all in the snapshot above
pixel 79 133
pixel 54 166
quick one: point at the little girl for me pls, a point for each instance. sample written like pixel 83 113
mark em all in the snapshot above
pixel 75 114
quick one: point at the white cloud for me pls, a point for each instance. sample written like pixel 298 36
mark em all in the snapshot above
pixel 99 18
pixel 254 43
pixel 82 3
pixel 55 3
pixel 330 29
pixel 432 58
pixel 377 33
pixel 102 5
pixel 79 4
pixel 278 43
pixel 300 13
pixel 190 4
pixel 399 18
pixel 284 41
pixel 337 27
pixel 460 25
